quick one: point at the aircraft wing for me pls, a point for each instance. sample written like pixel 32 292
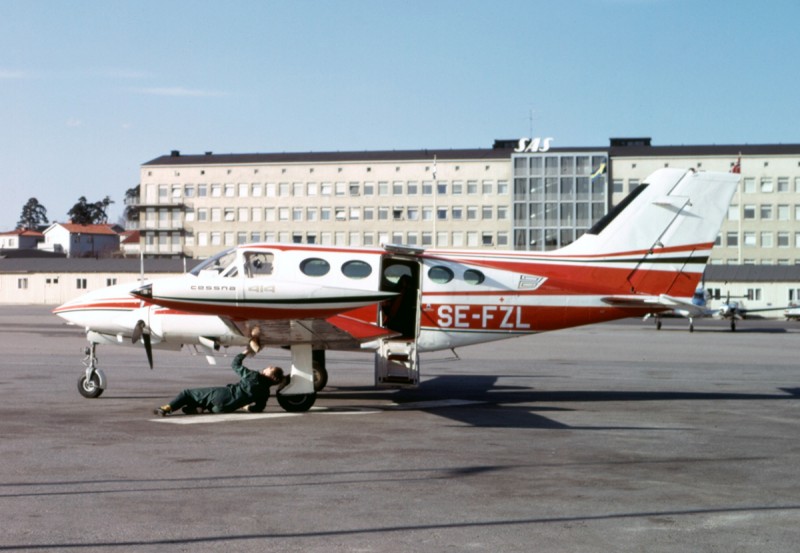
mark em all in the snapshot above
pixel 336 332
pixel 661 303
pixel 746 312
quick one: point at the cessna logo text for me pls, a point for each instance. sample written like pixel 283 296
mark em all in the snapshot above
pixel 210 288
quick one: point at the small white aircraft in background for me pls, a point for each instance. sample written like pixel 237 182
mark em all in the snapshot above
pixel 397 301
pixel 697 308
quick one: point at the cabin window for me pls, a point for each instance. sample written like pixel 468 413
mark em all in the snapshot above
pixel 356 269
pixel 440 274
pixel 393 273
pixel 315 267
pixel 258 264
pixel 471 276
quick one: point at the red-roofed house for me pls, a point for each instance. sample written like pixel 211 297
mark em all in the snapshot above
pixel 20 239
pixel 130 242
pixel 81 240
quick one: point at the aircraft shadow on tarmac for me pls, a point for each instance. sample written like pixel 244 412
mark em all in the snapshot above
pixel 718 330
pixel 477 401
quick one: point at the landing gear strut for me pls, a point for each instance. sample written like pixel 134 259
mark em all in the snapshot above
pixel 92 382
pixel 300 394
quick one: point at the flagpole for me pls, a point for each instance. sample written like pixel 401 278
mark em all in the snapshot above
pixel 435 240
pixel 737 168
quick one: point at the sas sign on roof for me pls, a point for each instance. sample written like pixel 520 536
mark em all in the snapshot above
pixel 532 145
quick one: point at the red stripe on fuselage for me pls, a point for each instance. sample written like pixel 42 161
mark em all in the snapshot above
pixel 516 319
pixel 109 305
pixel 248 312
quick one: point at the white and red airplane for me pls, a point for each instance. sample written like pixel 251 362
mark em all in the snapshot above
pixel 398 301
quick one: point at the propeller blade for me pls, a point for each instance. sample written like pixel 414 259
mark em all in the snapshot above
pixel 140 333
pixel 148 349
pixel 138 329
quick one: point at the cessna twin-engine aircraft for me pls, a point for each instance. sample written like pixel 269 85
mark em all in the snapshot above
pixel 697 308
pixel 399 301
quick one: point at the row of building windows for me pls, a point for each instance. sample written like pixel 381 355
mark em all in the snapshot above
pixel 750 185
pixel 558 165
pixel 167 193
pixel 760 261
pixel 80 283
pixel 174 217
pixel 552 214
pixel 166 241
pixel 547 238
pixel 766 239
pixel 767 212
pixel 564 189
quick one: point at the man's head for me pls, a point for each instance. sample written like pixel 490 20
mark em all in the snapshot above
pixel 275 373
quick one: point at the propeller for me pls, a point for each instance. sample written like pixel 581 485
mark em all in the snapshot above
pixel 730 309
pixel 140 333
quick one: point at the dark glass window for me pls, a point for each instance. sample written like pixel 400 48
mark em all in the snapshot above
pixel 356 269
pixel 471 276
pixel 440 275
pixel 315 267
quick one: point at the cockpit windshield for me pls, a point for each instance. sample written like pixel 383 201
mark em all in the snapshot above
pixel 218 264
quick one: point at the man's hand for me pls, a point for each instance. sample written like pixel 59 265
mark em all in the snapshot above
pixel 254 345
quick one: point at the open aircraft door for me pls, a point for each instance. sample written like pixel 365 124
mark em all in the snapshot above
pixel 397 359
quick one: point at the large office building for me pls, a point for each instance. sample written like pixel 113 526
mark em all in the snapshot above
pixel 519 194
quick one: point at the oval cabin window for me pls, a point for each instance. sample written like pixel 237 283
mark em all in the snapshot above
pixel 471 276
pixel 315 267
pixel 440 274
pixel 356 269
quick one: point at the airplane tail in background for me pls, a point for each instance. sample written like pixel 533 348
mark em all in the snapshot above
pixel 663 231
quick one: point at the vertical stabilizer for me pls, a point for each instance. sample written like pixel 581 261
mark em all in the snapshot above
pixel 665 232
pixel 675 208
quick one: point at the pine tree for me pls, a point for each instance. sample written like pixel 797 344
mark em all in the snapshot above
pixel 33 215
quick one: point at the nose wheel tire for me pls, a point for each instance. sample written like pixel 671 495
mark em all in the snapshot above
pixel 90 388
pixel 297 403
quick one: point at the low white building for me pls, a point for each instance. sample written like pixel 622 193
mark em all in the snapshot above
pixel 754 286
pixel 53 281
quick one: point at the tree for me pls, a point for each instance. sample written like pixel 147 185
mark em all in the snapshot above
pixel 131 212
pixel 33 215
pixel 85 213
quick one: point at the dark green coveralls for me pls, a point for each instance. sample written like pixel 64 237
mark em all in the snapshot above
pixel 253 388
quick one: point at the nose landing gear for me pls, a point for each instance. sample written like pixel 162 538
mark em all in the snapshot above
pixel 92 383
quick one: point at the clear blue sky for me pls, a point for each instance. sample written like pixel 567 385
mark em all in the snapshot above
pixel 90 90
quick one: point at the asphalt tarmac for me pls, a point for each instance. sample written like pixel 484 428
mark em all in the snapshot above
pixel 613 437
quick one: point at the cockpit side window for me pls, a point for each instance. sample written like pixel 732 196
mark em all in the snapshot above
pixel 217 265
pixel 258 264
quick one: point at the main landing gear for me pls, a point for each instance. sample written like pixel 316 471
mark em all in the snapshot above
pixel 301 393
pixel 92 382
pixel 303 402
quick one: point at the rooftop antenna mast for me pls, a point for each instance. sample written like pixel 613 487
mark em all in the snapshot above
pixel 530 123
